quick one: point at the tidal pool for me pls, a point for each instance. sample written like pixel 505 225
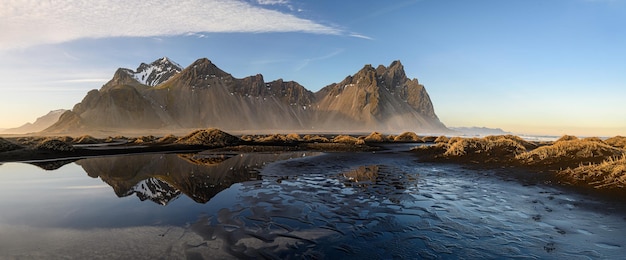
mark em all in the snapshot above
pixel 293 205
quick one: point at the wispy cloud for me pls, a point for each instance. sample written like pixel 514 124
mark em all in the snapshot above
pixel 356 35
pixel 29 23
pixel 306 62
pixel 273 2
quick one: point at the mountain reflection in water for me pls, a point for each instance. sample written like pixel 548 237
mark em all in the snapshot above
pixel 301 216
pixel 161 178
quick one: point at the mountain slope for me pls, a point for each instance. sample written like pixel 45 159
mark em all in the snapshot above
pixel 382 98
pixel 40 124
pixel 202 95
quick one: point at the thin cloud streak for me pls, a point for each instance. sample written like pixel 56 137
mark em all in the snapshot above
pixel 356 35
pixel 273 2
pixel 327 56
pixel 29 23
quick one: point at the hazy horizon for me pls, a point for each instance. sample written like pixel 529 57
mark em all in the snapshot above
pixel 532 67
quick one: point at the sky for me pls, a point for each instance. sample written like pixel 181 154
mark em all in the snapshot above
pixel 547 67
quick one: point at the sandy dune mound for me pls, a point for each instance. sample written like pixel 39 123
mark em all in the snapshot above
pixel 54 145
pixel 86 139
pixel 617 141
pixel 209 137
pixel 168 139
pixel 6 146
pixel 407 137
pixel 346 139
pixel 569 153
pixel 485 149
pixel 375 137
pixel 611 173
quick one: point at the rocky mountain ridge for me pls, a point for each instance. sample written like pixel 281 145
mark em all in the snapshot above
pixel 203 95
pixel 154 73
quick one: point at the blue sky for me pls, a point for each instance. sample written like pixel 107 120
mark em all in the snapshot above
pixel 527 66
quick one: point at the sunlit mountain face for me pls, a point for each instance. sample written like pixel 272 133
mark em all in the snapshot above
pixel 161 95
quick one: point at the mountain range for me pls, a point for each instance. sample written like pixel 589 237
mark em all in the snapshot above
pixel 162 95
pixel 40 124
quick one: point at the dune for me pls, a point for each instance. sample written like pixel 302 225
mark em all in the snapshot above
pixel 588 162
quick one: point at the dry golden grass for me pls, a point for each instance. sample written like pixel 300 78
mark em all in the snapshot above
pixel 617 141
pixel 53 144
pixel 315 139
pixel 567 138
pixel 593 139
pixel 85 139
pixel 569 153
pixel 144 139
pixel 588 162
pixel 67 139
pixel 429 139
pixel 442 139
pixel 346 139
pixel 29 141
pixel 6 145
pixel 610 173
pixel 247 138
pixel 375 137
pixel 526 144
pixel 407 137
pixel 209 137
pixel 274 138
pixel 490 149
pixel 168 139
pixel 293 137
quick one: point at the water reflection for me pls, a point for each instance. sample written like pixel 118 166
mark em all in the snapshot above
pixel 162 178
pixel 336 205
pixel 313 215
pixel 51 165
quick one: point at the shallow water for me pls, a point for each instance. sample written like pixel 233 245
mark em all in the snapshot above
pixel 294 205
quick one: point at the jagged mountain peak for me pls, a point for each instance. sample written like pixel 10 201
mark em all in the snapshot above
pixel 205 67
pixel 154 73
pixel 122 76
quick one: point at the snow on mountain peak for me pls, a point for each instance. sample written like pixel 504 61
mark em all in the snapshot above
pixel 155 190
pixel 156 72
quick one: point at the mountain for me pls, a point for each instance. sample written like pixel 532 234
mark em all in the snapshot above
pixel 479 131
pixel 161 96
pixel 377 98
pixel 40 124
pixel 154 73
